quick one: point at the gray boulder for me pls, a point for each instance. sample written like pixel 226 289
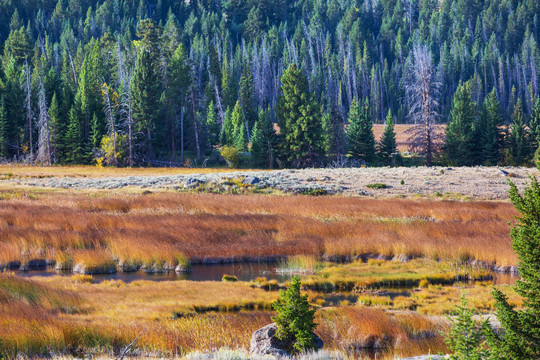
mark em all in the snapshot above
pixel 251 180
pixel 265 342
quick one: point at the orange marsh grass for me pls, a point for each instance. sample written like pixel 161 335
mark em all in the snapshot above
pixel 155 226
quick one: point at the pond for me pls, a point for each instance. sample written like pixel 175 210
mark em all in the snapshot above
pixel 215 272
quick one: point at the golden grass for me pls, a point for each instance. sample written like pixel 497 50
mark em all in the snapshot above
pixel 15 171
pixel 170 227
pixel 109 315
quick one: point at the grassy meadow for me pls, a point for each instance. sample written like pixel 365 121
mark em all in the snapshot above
pixel 366 303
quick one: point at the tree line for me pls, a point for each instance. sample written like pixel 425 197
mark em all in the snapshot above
pixel 295 83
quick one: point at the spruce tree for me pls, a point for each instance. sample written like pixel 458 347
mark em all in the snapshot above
pixel 518 149
pixel 360 138
pixel 212 126
pixel 534 124
pixel 246 96
pixel 263 141
pixel 459 145
pixel 465 337
pixel 4 135
pixel 295 319
pixel 387 146
pixel 227 130
pixel 491 138
pixel 146 86
pixel 239 132
pixel 58 128
pixel 299 121
pixel 521 336
pixel 74 149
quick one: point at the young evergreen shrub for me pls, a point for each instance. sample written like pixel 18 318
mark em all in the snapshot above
pixel 465 339
pixel 521 336
pixel 295 318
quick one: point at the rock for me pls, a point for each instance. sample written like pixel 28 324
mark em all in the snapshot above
pixel 264 342
pixel 128 266
pixel 181 269
pixel 251 180
pixel 36 264
pixel 192 183
pixel 401 258
pixel 503 173
pixel 13 265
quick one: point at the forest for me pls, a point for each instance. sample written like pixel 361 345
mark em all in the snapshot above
pixel 286 83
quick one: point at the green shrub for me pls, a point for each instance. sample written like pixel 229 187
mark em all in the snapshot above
pixel 314 192
pixel 402 182
pixel 231 156
pixel 377 186
pixel 537 158
pixel 229 278
pixel 295 319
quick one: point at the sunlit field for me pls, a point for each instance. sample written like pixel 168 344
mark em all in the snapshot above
pixel 172 227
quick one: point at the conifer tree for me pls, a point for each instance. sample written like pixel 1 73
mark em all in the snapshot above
pixel 299 121
pixel 246 96
pixel 534 124
pixel 491 138
pixel 239 132
pixel 263 141
pixel 360 138
pixel 459 145
pixel 58 128
pixel 518 148
pixel 227 130
pixel 521 336
pixel 4 135
pixel 465 336
pixel 295 319
pixel 146 94
pixel 74 149
pixel 334 133
pixel 387 146
pixel 212 125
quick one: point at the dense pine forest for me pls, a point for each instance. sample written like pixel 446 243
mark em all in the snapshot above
pixel 280 82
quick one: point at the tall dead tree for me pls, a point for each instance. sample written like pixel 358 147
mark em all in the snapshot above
pixel 422 91
pixel 44 138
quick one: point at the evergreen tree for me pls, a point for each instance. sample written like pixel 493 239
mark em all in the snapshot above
pixel 227 130
pixel 360 138
pixel 295 319
pixel 387 146
pixel 263 141
pixel 212 125
pixel 239 132
pixel 465 336
pixel 521 336
pixel 4 135
pixel 518 148
pixel 146 94
pixel 58 128
pixel 246 97
pixel 299 121
pixel 74 149
pixel 491 138
pixel 534 124
pixel 459 145
pixel 334 133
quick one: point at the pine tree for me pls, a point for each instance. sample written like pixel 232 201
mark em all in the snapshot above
pixel 459 145
pixel 299 121
pixel 295 319
pixel 521 336
pixel 518 150
pixel 360 138
pixel 146 95
pixel 465 336
pixel 534 124
pixel 263 141
pixel 212 125
pixel 58 128
pixel 387 146
pixel 239 132
pixel 74 149
pixel 227 130
pixel 334 136
pixel 246 97
pixel 4 135
pixel 491 138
